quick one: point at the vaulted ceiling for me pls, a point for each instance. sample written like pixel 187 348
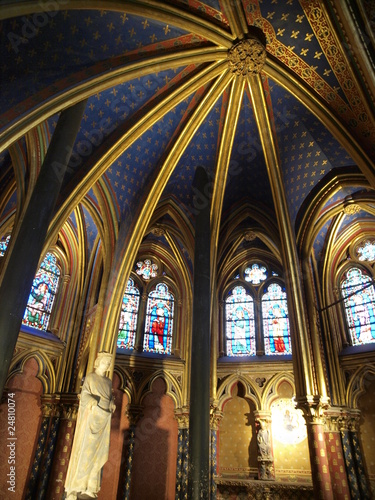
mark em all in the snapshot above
pixel 164 96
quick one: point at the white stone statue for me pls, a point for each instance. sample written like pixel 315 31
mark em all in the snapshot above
pixel 91 438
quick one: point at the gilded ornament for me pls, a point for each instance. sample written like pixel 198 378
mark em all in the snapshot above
pixel 247 57
pixel 352 209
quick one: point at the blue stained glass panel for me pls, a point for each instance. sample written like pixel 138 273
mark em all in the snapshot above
pixel 128 316
pixel 240 325
pixel 42 295
pixel 159 320
pixel 275 321
pixel 359 295
pixel 4 242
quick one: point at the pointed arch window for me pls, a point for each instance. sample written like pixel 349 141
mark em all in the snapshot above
pixel 275 321
pixel 359 302
pixel 128 316
pixel 43 293
pixel 240 325
pixel 159 320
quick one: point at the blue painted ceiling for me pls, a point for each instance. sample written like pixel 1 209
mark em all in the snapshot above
pixel 45 53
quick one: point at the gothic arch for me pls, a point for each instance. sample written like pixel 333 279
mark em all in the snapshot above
pixel 224 393
pixel 46 371
pixel 356 385
pixel 173 388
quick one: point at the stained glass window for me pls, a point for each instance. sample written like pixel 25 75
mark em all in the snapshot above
pixel 255 274
pixel 366 251
pixel 240 325
pixel 159 320
pixel 128 316
pixel 147 269
pixel 275 321
pixel 359 295
pixel 42 295
pixel 4 245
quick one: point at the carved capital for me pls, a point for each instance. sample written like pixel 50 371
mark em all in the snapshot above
pixel 69 412
pixel 182 417
pixel 247 57
pixel 313 408
pixel 349 420
pixel 134 414
pixel 215 417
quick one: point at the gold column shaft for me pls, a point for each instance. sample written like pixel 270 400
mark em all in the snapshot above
pixel 304 379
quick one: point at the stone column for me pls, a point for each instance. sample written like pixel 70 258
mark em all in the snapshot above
pixel 199 424
pixel 266 466
pixel 134 413
pixel 64 443
pixel 26 243
pixel 359 486
pixel 335 453
pixel 311 392
pixel 37 485
pixel 318 452
pixel 182 417
pixel 215 416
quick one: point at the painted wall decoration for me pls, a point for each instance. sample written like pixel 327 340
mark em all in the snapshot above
pixel 288 424
pixel 237 446
pixel 42 295
pixel 240 325
pixel 159 320
pixel 359 301
pixel 128 316
pixel 275 321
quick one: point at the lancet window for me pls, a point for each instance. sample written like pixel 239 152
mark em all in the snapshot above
pixel 128 316
pixel 275 321
pixel 359 303
pixel 42 294
pixel 159 320
pixel 147 315
pixel 256 314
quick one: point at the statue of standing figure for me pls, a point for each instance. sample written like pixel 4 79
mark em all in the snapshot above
pixel 91 440
pixel 264 441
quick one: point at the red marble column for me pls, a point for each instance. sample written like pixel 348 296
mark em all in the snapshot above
pixel 69 409
pixel 319 458
pixel 335 454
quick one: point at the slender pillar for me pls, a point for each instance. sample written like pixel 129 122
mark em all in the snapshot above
pixel 39 451
pixel 318 455
pixel 182 417
pixel 63 447
pixel 349 456
pixel 266 466
pixel 27 243
pixel 134 413
pixel 353 427
pixel 335 453
pixel 199 421
pixel 215 417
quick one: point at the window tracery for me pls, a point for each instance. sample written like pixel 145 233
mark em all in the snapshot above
pixel 264 331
